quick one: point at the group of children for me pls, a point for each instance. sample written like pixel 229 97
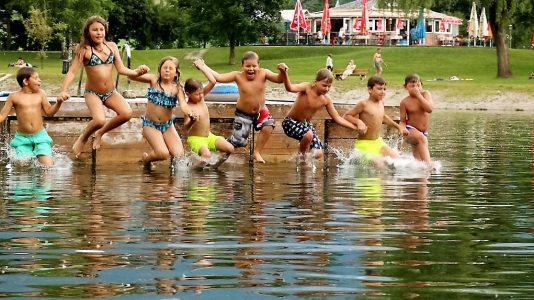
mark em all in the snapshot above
pixel 98 56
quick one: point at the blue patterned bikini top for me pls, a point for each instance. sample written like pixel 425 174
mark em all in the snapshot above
pixel 95 60
pixel 160 98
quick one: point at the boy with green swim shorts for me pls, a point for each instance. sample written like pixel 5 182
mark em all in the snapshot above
pixel 31 139
pixel 200 139
pixel 368 116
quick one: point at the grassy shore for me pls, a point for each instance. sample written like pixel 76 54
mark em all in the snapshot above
pixel 477 64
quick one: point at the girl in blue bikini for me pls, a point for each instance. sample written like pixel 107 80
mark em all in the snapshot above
pixel 98 58
pixel 164 93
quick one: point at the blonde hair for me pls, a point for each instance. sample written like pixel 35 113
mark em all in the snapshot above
pixel 176 64
pixel 323 74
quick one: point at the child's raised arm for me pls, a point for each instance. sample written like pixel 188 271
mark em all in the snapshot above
pixel 198 63
pixel 121 68
pixel 273 77
pixel 294 88
pixel 222 78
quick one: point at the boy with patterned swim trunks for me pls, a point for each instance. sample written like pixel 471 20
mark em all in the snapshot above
pixel 368 116
pixel 311 97
pixel 200 139
pixel 31 138
pixel 250 107
pixel 415 112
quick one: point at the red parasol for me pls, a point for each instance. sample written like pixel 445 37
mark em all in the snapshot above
pixel 325 20
pixel 365 18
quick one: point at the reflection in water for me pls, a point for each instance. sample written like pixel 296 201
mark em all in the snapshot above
pixel 273 231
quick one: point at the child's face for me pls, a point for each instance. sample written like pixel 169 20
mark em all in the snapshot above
pixel 323 86
pixel 414 83
pixel 378 91
pixel 196 96
pixel 167 71
pixel 250 67
pixel 97 32
pixel 33 83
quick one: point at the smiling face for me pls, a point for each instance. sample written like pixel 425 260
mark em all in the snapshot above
pixel 33 83
pixel 97 32
pixel 250 67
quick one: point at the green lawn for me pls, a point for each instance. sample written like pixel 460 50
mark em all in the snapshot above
pixel 478 64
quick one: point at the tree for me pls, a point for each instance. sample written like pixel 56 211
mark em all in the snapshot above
pixel 235 22
pixel 39 30
pixel 500 14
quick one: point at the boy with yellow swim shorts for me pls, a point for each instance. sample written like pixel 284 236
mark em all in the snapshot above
pixel 197 123
pixel 368 116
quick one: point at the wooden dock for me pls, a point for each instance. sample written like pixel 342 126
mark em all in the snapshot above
pixel 126 143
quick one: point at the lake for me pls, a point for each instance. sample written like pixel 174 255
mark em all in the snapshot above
pixel 336 231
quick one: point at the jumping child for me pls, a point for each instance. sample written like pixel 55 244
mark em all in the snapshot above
pixel 311 97
pixel 200 139
pixel 98 57
pixel 250 107
pixel 29 102
pixel 158 121
pixel 368 116
pixel 415 110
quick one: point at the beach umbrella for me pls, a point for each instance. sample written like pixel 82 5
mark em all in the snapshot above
pixel 483 23
pixel 298 20
pixel 533 39
pixel 365 18
pixel 325 20
pixel 400 23
pixel 357 24
pixel 473 24
pixel 380 25
pixel 420 28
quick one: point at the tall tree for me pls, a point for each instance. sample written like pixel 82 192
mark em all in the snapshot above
pixel 39 30
pixel 500 14
pixel 236 22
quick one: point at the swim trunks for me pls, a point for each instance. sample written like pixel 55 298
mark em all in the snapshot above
pixel 196 142
pixel 296 130
pixel 264 119
pixel 242 124
pixel 162 127
pixel 410 127
pixel 370 148
pixel 36 144
pixel 103 96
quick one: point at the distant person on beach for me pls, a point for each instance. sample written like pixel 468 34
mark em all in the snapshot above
pixel 19 63
pixel 98 58
pixel 250 108
pixel 311 97
pixel 368 116
pixel 329 62
pixel 31 139
pixel 378 61
pixel 531 76
pixel 349 69
pixel 199 137
pixel 415 112
pixel 163 95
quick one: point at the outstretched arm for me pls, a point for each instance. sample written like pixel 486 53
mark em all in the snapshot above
pixel 273 77
pixel 48 108
pixel 123 70
pixel 71 74
pixel 222 78
pixel 336 117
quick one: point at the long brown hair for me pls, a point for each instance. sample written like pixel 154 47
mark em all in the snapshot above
pixel 86 37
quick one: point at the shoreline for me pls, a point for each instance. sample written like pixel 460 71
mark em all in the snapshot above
pixel 444 99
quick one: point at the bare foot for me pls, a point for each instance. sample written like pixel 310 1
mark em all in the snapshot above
pixel 97 141
pixel 258 158
pixel 78 147
pixel 199 165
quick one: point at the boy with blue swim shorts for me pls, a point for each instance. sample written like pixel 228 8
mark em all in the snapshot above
pixel 200 139
pixel 31 139
pixel 368 116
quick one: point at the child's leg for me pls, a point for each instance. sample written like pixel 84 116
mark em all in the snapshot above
pixel 305 142
pixel 173 142
pixel 419 145
pixel 263 137
pixel 157 143
pixel 94 104
pixel 124 113
pixel 387 151
pixel 45 160
pixel 223 145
